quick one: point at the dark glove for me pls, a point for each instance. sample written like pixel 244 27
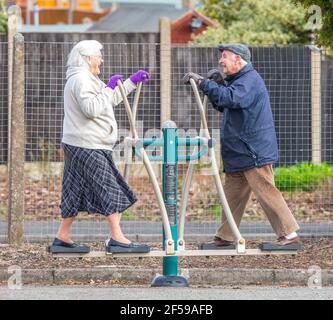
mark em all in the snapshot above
pixel 216 76
pixel 113 80
pixel 191 75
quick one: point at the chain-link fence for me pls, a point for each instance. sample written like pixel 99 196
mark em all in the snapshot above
pixel 298 85
pixel 3 137
pixel 44 115
pixel 300 89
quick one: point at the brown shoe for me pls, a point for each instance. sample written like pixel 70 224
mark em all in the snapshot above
pixel 217 244
pixel 221 242
pixel 283 241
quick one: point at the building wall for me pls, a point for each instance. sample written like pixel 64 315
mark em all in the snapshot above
pixel 56 16
pixel 80 4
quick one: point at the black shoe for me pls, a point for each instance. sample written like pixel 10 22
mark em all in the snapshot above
pixel 59 246
pixel 114 246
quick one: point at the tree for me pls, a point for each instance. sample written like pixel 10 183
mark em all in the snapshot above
pixel 254 22
pixel 319 14
pixel 3 17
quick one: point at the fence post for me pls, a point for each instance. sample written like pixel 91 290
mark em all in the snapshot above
pixel 316 104
pixel 12 30
pixel 17 141
pixel 165 74
pixel 165 69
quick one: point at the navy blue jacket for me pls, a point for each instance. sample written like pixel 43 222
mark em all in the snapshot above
pixel 248 137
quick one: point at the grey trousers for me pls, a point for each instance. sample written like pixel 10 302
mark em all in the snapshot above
pixel 238 187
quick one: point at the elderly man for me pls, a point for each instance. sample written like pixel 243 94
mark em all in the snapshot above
pixel 248 143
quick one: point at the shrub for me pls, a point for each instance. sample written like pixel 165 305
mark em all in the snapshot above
pixel 3 17
pixel 302 177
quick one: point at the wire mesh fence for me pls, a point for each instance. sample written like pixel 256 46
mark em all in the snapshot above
pixel 292 77
pixel 3 135
pixel 45 70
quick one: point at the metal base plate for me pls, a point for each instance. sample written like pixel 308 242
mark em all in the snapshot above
pixel 61 249
pixel 213 246
pixel 193 253
pixel 118 249
pixel 268 246
pixel 169 281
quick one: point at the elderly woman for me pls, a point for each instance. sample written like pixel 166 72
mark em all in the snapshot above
pixel 91 181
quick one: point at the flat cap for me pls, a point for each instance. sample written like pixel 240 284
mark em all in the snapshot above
pixel 237 48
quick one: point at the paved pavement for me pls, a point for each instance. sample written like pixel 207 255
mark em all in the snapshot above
pixel 145 293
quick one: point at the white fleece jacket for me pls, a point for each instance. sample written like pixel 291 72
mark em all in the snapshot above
pixel 89 120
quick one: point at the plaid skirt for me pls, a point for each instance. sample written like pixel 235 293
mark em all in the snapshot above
pixel 92 183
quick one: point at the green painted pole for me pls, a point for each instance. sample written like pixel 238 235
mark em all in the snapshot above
pixel 170 191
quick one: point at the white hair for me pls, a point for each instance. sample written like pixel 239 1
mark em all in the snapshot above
pixel 243 62
pixel 78 55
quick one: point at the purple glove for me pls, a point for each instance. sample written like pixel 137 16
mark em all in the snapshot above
pixel 113 80
pixel 140 76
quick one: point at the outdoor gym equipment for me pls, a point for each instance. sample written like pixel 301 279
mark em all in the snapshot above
pixel 173 237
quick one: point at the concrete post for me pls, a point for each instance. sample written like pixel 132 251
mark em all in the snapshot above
pixel 17 147
pixel 316 104
pixel 13 21
pixel 72 7
pixel 29 9
pixel 165 73
pixel 165 69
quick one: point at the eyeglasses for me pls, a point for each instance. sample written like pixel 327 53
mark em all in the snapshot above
pixel 94 56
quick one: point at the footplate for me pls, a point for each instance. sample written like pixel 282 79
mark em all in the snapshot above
pixel 213 246
pixel 268 246
pixel 61 249
pixel 119 249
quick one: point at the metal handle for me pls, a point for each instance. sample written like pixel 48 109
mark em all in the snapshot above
pixel 165 220
pixel 218 183
pixel 185 193
pixel 128 150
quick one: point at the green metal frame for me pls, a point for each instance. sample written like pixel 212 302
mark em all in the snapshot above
pixel 170 143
